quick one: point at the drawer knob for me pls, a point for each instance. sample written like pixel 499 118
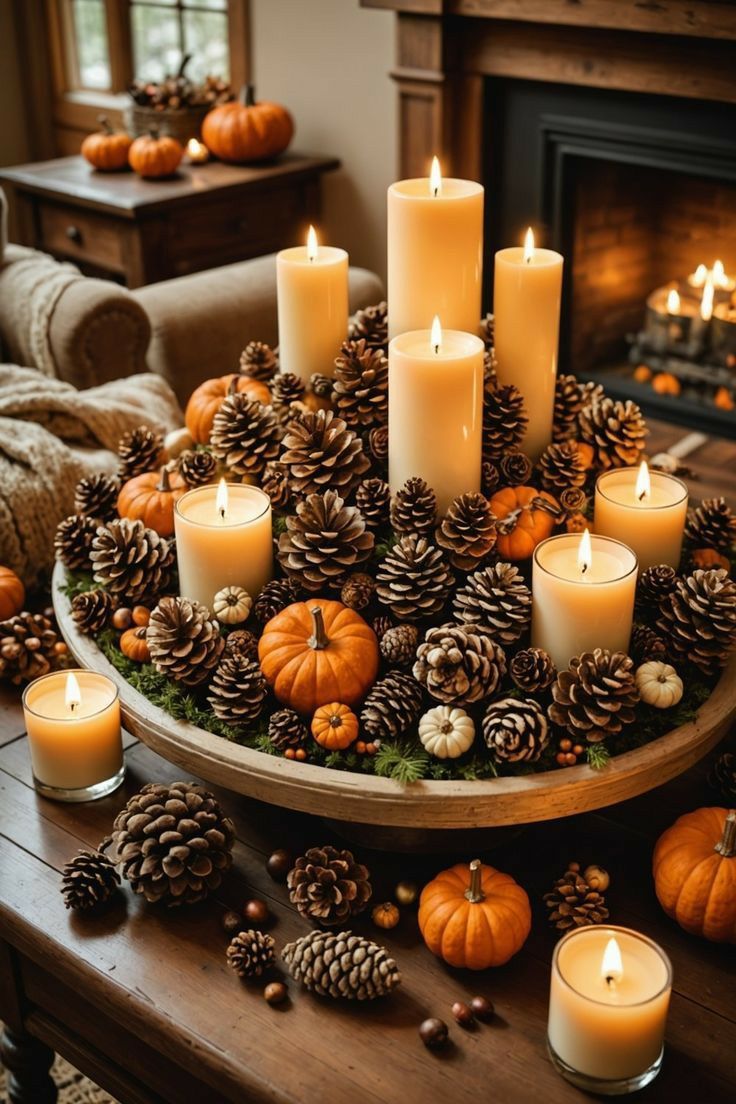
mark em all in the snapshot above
pixel 74 234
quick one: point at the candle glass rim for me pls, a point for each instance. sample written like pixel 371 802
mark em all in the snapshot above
pixel 549 257
pixel 218 524
pixel 326 254
pixel 593 929
pixel 451 354
pixel 69 671
pixel 473 188
pixel 664 475
pixel 582 582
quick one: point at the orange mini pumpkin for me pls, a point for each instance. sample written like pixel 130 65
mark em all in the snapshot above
pixel 12 593
pixel 694 869
pixel 150 498
pixel 474 916
pixel 710 557
pixel 316 652
pixel 246 130
pixel 334 726
pixel 155 155
pixel 525 524
pixel 664 383
pixel 108 149
pixel 207 399
pixel 133 644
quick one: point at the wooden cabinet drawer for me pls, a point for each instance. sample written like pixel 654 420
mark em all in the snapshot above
pixel 82 235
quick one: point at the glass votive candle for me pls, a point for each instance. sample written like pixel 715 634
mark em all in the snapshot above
pixel 647 510
pixel 73 724
pixel 609 994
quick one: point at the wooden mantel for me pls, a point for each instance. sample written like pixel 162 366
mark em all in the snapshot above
pixel 445 49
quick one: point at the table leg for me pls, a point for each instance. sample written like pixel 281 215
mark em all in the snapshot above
pixel 28 1062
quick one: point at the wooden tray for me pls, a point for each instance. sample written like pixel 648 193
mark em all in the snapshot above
pixel 364 799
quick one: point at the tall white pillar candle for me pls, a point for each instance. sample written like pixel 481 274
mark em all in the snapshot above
pixel 647 510
pixel 312 292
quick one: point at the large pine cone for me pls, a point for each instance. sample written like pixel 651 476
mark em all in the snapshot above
pixel 573 903
pixel 373 499
pixel 197 467
pixel 184 640
pixel 414 508
pixel 174 842
pixel 73 541
pixel 459 664
pixel 245 435
pixel 341 965
pixel 91 610
pixel 371 324
pixel 532 670
pixel 504 421
pixel 287 388
pixel 698 619
pixel 393 705
pixel 616 431
pixel 131 561
pixel 498 598
pixel 468 531
pixel 97 496
pixel 321 452
pixel 568 404
pixel 250 953
pixel 413 580
pixel 561 467
pixel 328 886
pixel 360 391
pixel 29 646
pixel 324 541
pixel 712 524
pixel 258 361
pixel 88 880
pixel 595 697
pixel 140 450
pixel 515 731
pixel 238 690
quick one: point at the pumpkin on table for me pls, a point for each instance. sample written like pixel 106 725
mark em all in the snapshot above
pixel 694 869
pixel 247 131
pixel 154 155
pixel 522 523
pixel 12 593
pixel 207 399
pixel 107 150
pixel 334 726
pixel 150 498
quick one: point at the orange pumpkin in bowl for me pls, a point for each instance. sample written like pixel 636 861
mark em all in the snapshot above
pixel 207 399
pixel 12 593
pixel 247 131
pixel 150 498
pixel 524 524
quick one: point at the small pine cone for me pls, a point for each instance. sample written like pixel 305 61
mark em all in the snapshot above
pixel 287 388
pixel 245 435
pixel 616 431
pixel 97 496
pixel 414 508
pixel 88 880
pixel 646 644
pixel 320 385
pixel 595 696
pixel 490 368
pixel 237 691
pixel 250 953
pixel 378 446
pixel 497 598
pixel 320 452
pixel 341 965
pixel 258 361
pixel 573 500
pixel 504 421
pixel 572 902
pixel 184 640
pixel 532 670
pixel 360 391
pixel 28 647
pixel 655 584
pixel 242 643
pixel 139 451
pixel 286 729
pixel 490 477
pixel 712 524
pixel 371 325
pixel 91 610
pixel 328 886
pixel 131 561
pixel 197 467
pixel 73 541
pixel 275 482
pixel 323 542
pixel 393 705
pixel 698 619
pixel 561 467
pixel 515 731
pixel 373 499
pixel 399 645
pixel 357 590
pixel 459 664
pixel 516 468
pixel 413 580
pixel 468 531
pixel 722 777
pixel 568 404
pixel 274 597
pixel 488 330
pixel 380 626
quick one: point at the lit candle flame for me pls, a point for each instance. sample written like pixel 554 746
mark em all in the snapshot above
pixel 221 499
pixel 673 301
pixel 706 303
pixel 436 334
pixel 197 151
pixel 72 694
pixel 435 178
pixel 612 967
pixel 312 249
pixel 643 483
pixel 585 552
pixel 699 276
pixel 528 245
pixel 718 272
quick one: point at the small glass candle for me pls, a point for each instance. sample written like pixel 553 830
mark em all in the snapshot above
pixel 645 509
pixel 73 724
pixel 609 994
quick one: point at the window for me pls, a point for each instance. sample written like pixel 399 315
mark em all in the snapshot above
pixel 164 31
pixel 89 47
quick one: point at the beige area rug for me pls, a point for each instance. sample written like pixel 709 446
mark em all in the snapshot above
pixel 73 1086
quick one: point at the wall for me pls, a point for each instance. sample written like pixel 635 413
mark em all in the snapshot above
pixel 13 140
pixel 328 62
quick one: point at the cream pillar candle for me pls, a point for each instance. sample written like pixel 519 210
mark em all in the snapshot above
pixel 609 994
pixel 583 591
pixel 435 253
pixel 312 292
pixel 435 413
pixel 527 289
pixel 647 510
pixel 223 538
pixel 73 724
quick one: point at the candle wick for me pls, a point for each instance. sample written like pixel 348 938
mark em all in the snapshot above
pixel 528 259
pixel 72 706
pixel 222 513
pixel 584 568
pixel 435 190
pixel 642 495
pixel 436 350
pixel 610 981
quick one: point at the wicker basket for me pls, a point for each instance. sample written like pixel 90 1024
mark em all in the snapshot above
pixel 183 123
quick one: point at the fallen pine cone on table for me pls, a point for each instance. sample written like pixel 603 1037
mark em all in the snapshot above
pixel 341 965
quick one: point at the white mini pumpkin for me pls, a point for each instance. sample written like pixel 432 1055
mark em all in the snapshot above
pixel 232 605
pixel 658 684
pixel 446 731
pixel 176 441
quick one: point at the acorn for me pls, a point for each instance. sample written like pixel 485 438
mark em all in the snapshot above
pixel 232 922
pixel 433 1032
pixel 406 893
pixel 463 1014
pixel 122 618
pixel 257 913
pixel 482 1009
pixel 275 992
pixel 279 863
pixel 597 878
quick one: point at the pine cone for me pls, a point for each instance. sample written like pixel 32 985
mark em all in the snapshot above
pixel 360 391
pixel 532 670
pixel 88 880
pixel 274 597
pixel 568 404
pixel 287 388
pixel 320 385
pixel 490 368
pixel 413 580
pixel 516 468
pixel 378 446
pixel 250 953
pixel 468 531
pixel 380 626
pixel 459 664
pixel 561 467
pixel 498 598
pixel 595 697
pixel 197 467
pixel 504 421
pixel 328 886
pixel 275 482
pixel 698 619
pixel 712 524
pixel 572 902
pixel 91 610
pixel 174 842
pixel 392 706
pixel 722 777
pixel 184 640
pixel 488 329
pixel 139 450
pixel 515 731
pixel 341 965
pixel 97 497
pixel 132 562
pixel 237 691
pixel 258 361
pixel 655 584
pixel 73 541
pixel 323 542
pixel 320 452
pixel 414 508
pixel 490 477
pixel 616 431
pixel 373 499
pixel 286 729
pixel 646 644
pixel 28 647
pixel 399 645
pixel 357 590
pixel 245 435
pixel 370 324
pixel 573 500
pixel 242 643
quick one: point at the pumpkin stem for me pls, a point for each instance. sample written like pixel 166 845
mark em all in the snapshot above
pixel 726 846
pixel 318 640
pixel 184 62
pixel 105 124
pixel 474 893
pixel 164 483
pixel 153 132
pixel 248 95
pixel 232 387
